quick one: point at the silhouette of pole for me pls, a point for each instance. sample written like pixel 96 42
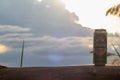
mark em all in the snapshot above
pixel 21 61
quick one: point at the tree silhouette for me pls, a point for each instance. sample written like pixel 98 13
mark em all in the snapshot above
pixel 115 10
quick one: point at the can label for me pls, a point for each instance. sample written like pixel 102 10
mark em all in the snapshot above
pixel 100 55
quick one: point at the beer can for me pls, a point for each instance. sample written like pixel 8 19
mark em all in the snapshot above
pixel 100 47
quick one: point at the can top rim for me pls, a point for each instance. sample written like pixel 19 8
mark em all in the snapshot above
pixel 100 29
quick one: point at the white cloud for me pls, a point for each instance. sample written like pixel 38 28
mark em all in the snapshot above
pixel 66 45
pixel 13 28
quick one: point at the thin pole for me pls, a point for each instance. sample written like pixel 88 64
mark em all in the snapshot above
pixel 21 61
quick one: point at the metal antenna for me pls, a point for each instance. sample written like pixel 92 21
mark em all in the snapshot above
pixel 21 62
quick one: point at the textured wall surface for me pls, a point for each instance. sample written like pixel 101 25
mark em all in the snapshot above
pixel 61 73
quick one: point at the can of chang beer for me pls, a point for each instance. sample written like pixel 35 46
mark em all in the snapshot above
pixel 100 47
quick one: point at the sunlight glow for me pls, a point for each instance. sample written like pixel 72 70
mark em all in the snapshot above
pixel 92 12
pixel 39 0
pixel 114 24
pixel 3 49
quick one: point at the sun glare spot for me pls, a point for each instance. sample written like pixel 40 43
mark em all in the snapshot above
pixel 39 0
pixel 3 49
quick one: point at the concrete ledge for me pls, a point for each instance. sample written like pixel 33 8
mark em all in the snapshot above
pixel 61 73
pixel 1 67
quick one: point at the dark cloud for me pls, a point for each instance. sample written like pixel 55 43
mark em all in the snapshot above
pixel 54 21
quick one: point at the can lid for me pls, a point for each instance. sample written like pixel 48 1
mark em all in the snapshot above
pixel 100 30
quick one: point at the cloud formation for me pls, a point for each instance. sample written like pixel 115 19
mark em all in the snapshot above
pixel 52 38
pixel 54 21
pixel 48 50
pixel 10 28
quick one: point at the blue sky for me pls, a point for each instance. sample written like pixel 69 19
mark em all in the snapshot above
pixel 52 37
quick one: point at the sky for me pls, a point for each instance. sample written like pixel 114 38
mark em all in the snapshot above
pixel 92 13
pixel 54 31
